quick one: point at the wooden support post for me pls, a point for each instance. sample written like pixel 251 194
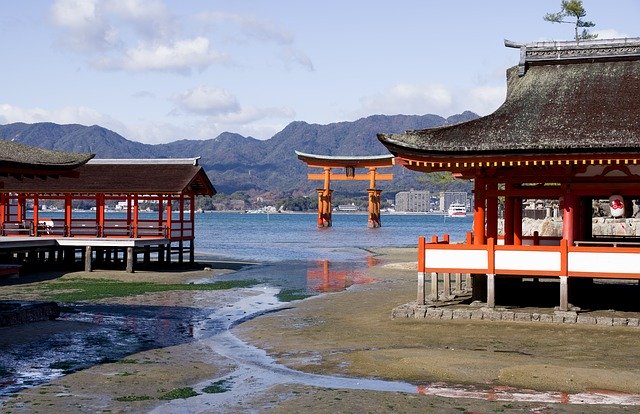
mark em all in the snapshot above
pixel 180 252
pixel 130 259
pixel 191 251
pixel 568 217
pixel 147 256
pixel 491 290
pixel 564 293
pixel 36 207
pixel 421 273
pixel 492 212
pixel 508 220
pixel 517 221
pixel 67 215
pixel 458 283
pixel 479 211
pixel 168 250
pixel 135 216
pixel 87 259
pixel 434 287
pixel 3 209
pixel 446 280
pixel 374 208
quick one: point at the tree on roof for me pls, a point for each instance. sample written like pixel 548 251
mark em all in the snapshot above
pixel 573 9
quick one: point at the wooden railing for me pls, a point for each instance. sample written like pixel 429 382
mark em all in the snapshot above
pixel 440 256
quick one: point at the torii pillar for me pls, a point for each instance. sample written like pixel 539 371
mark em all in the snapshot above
pixel 349 163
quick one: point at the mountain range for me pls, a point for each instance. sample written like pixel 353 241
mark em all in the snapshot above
pixel 238 163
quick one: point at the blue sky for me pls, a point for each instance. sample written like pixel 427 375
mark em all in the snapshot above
pixel 161 70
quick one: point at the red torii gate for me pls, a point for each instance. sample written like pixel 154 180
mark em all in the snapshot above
pixel 349 163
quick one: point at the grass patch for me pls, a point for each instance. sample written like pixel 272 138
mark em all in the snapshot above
pixel 130 398
pixel 218 387
pixel 74 290
pixel 289 295
pixel 179 393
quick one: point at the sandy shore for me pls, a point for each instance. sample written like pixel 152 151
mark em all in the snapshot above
pixel 351 334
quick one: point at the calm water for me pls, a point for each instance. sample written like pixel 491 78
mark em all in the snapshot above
pixel 286 237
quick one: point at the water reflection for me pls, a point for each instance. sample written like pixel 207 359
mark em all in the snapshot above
pixel 321 278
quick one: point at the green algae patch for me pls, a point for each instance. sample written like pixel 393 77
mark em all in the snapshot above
pixel 218 387
pixel 179 394
pixel 76 290
pixel 289 295
pixel 132 398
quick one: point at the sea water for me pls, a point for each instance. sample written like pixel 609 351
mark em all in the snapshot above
pixel 287 237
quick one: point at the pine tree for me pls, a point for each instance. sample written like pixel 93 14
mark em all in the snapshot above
pixel 573 9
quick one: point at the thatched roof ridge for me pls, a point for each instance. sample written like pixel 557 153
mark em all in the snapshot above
pixel 570 106
pixel 16 155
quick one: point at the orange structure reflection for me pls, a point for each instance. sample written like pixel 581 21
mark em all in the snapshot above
pixel 322 279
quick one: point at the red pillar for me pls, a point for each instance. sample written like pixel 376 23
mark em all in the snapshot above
pixel 135 216
pixel 67 214
pixel 100 214
pixel 568 217
pixel 492 212
pixel 478 211
pixel 508 219
pixel 35 215
pixel 3 209
pixel 517 221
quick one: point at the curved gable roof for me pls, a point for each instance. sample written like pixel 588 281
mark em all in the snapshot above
pixel 19 156
pixel 577 98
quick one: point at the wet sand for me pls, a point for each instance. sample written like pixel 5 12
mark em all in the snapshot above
pixel 351 334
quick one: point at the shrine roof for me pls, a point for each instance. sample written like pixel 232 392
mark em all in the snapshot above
pixel 346 160
pixel 14 156
pixel 562 98
pixel 121 177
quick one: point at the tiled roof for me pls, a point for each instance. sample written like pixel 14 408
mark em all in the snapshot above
pixel 585 102
pixel 15 155
pixel 118 178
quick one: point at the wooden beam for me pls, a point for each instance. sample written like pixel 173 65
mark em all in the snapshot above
pixel 343 177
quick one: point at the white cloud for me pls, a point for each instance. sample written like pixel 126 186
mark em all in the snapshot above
pixel 250 115
pixel 404 98
pixel 66 115
pixel 410 99
pixel 248 27
pixel 609 34
pixel 205 100
pixel 180 57
pixel 85 28
pixel 150 18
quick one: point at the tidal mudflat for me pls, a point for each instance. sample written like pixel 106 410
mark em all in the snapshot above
pixel 339 351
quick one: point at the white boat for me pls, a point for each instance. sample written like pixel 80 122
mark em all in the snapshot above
pixel 457 210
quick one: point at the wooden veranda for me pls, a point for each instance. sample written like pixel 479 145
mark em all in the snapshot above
pixel 568 131
pixel 164 188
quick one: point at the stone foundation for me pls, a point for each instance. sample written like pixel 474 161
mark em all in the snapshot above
pixel 470 312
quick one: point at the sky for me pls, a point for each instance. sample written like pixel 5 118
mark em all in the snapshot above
pixel 158 71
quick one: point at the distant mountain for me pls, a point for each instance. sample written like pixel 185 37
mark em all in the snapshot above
pixel 238 163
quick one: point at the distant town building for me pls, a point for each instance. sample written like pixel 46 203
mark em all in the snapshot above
pixel 413 201
pixel 449 197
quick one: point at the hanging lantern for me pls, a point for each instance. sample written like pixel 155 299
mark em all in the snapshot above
pixel 616 204
pixel 350 171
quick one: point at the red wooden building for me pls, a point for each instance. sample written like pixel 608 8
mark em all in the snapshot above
pixel 166 186
pixel 569 130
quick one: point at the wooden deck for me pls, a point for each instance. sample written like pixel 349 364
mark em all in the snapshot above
pixel 90 249
pixel 601 260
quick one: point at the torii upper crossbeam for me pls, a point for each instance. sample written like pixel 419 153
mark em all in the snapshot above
pixel 349 163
